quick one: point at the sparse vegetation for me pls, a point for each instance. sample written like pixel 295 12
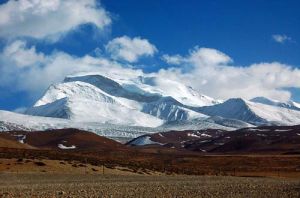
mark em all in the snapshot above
pixel 72 185
pixel 89 172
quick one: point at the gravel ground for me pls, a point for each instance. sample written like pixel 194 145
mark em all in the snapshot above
pixel 72 185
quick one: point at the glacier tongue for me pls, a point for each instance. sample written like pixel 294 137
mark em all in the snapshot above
pixel 14 121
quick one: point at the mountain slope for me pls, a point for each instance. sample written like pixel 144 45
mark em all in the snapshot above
pixel 169 109
pixel 266 139
pixel 62 139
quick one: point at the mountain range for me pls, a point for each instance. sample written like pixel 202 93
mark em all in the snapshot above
pixel 119 106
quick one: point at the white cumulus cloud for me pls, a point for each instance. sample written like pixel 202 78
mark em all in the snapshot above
pixel 130 49
pixel 34 71
pixel 281 38
pixel 199 57
pixel 210 72
pixel 49 18
pixel 21 56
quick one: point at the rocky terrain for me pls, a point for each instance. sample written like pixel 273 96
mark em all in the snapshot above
pixel 263 140
pixel 243 154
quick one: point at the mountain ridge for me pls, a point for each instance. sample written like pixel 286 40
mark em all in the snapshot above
pixel 158 100
pixel 128 106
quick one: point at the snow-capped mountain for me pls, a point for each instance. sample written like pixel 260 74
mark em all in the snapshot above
pixel 253 112
pixel 141 101
pixel 80 101
pixel 149 101
pixel 127 106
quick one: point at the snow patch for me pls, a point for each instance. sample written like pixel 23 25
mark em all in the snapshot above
pixel 160 135
pixel 283 130
pixel 205 141
pixel 193 135
pixel 205 135
pixel 61 146
pixel 261 130
pixel 20 138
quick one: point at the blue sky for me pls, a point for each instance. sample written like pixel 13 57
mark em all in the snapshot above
pixel 248 32
pixel 241 29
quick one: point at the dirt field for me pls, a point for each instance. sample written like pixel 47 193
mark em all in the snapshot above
pixel 87 185
pixel 59 178
pixel 110 169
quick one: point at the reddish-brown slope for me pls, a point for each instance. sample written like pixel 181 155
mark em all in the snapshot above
pixel 50 139
pixel 7 140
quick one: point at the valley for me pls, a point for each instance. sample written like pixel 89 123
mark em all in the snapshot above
pixel 139 131
pixel 164 99
pixel 72 162
pixel 239 156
